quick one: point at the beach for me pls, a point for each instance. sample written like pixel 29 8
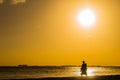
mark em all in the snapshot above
pixel 110 77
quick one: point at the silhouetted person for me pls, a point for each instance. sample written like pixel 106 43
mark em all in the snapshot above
pixel 84 69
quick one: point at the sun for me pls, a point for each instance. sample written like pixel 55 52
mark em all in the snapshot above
pixel 86 18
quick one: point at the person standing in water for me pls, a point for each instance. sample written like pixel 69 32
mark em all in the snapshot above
pixel 84 68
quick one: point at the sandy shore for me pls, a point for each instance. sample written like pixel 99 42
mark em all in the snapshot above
pixel 113 77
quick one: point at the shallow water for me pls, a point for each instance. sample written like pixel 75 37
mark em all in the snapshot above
pixel 38 72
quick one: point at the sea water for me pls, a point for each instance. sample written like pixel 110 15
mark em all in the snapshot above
pixel 59 71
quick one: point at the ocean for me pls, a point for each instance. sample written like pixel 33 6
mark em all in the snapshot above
pixel 53 71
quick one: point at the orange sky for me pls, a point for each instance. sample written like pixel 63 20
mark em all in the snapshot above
pixel 46 32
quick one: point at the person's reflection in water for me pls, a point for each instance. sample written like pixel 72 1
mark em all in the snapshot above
pixel 84 69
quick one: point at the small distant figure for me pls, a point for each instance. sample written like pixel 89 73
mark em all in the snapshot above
pixel 84 68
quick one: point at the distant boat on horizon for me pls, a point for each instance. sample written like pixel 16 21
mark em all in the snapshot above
pixel 23 65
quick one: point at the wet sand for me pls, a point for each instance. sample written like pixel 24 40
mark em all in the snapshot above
pixel 112 77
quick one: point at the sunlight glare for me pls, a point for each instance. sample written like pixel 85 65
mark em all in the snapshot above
pixel 90 72
pixel 86 18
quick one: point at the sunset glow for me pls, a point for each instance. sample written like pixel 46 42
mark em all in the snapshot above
pixel 59 32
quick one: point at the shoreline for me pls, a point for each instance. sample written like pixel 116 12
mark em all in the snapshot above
pixel 109 77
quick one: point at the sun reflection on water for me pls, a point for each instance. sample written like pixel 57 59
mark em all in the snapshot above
pixel 90 72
